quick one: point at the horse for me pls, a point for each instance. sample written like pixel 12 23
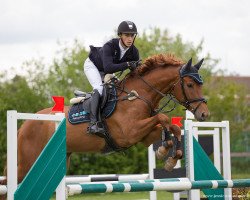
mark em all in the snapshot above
pixel 132 122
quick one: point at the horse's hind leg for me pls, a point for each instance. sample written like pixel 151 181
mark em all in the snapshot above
pixel 68 160
pixel 177 149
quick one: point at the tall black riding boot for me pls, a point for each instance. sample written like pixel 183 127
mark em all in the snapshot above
pixel 95 126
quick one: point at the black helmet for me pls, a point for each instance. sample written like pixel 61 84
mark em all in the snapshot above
pixel 127 27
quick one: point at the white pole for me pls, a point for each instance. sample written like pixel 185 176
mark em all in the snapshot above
pixel 226 158
pixel 11 153
pixel 189 115
pixel 192 194
pixel 216 143
pixel 151 167
pixel 61 188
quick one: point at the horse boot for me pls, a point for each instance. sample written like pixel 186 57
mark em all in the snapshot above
pixel 95 126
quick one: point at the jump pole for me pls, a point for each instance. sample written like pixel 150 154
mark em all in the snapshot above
pixel 155 185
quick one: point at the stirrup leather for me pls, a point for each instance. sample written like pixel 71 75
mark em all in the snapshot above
pixel 96 127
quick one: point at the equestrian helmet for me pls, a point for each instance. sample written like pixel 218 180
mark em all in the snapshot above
pixel 126 27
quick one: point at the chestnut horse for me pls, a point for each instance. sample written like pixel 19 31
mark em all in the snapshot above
pixel 132 121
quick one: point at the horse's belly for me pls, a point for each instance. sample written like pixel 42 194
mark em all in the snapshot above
pixel 79 141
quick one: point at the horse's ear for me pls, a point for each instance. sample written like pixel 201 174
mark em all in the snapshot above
pixel 187 67
pixel 198 65
pixel 189 64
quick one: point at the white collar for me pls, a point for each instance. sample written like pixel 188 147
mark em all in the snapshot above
pixel 121 47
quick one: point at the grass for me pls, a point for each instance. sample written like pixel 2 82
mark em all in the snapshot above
pixel 240 176
pixel 161 195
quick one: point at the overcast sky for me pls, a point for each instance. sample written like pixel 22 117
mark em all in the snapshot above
pixel 31 28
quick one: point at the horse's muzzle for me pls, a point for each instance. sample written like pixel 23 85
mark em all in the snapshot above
pixel 202 115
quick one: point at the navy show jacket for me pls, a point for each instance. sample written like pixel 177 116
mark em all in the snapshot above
pixel 107 58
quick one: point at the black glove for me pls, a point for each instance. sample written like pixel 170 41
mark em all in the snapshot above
pixel 132 65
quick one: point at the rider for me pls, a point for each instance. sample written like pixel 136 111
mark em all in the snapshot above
pixel 118 54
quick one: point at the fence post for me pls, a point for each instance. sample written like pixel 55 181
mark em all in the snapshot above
pixel 226 158
pixel 189 159
pixel 151 167
pixel 61 188
pixel 12 153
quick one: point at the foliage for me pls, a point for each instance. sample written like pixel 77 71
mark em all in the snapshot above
pixel 33 90
pixel 17 94
pixel 66 74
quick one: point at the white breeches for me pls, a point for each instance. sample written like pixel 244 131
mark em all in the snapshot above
pixel 93 75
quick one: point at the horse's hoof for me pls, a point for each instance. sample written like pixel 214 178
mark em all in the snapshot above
pixel 170 164
pixel 161 152
pixel 179 154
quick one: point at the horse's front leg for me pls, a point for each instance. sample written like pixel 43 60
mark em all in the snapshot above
pixel 148 130
pixel 177 148
pixel 167 143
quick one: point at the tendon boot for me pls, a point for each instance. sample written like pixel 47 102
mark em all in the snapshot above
pixel 95 126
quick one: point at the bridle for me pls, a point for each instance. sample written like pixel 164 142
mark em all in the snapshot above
pixel 187 103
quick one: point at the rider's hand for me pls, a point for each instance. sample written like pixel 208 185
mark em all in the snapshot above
pixel 132 65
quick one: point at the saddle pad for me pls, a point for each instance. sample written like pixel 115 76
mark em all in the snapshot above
pixel 77 114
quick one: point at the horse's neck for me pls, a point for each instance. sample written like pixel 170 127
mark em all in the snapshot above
pixel 162 80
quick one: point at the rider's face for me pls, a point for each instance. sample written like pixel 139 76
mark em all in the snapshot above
pixel 128 38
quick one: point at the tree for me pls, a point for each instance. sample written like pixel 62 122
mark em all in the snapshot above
pixel 17 94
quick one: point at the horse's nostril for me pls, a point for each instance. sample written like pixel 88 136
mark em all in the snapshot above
pixel 204 115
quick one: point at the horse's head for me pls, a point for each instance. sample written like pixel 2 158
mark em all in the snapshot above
pixel 188 91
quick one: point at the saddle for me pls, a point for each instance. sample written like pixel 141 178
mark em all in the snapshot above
pixel 79 111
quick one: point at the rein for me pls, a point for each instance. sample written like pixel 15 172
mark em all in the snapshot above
pixel 168 95
pixel 123 89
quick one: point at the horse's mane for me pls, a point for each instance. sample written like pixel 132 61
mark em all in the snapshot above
pixel 162 60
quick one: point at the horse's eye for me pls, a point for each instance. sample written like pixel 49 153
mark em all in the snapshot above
pixel 190 85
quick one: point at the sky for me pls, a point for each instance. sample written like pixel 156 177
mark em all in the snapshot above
pixel 32 29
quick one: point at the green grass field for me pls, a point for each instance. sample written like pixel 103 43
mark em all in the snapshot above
pixel 161 195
